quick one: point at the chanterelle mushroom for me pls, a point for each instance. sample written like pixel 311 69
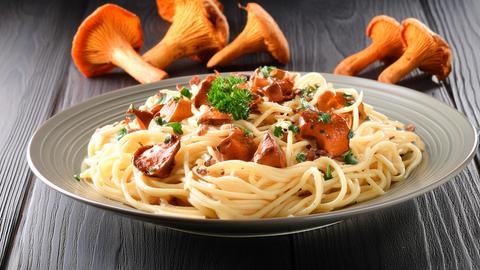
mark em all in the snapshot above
pixel 424 49
pixel 111 36
pixel 166 8
pixel 197 29
pixel 261 33
pixel 269 153
pixel 385 33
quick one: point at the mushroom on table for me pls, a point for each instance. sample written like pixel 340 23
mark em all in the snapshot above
pixel 112 36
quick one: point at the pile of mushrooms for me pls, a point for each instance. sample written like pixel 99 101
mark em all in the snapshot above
pixel 112 37
pixel 407 46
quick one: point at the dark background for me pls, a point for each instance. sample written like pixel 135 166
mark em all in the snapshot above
pixel 42 229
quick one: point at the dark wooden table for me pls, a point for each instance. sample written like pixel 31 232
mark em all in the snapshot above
pixel 41 229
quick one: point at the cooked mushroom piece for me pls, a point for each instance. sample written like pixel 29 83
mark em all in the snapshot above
pixel 384 31
pixel 112 36
pixel 176 110
pixel 166 8
pixel 269 153
pixel 331 136
pixel 261 33
pixel 424 49
pixel 201 96
pixel 277 86
pixel 157 160
pixel 197 29
pixel 237 146
pixel 214 117
pixel 143 118
pixel 329 101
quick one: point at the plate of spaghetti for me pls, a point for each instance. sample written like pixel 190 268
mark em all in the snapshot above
pixel 252 153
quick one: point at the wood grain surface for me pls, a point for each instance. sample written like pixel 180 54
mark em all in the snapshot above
pixel 41 229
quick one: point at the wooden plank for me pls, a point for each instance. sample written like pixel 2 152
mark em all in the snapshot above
pixel 57 232
pixel 35 41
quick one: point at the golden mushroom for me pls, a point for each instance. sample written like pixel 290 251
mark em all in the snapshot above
pixel 112 36
pixel 424 49
pixel 261 33
pixel 166 8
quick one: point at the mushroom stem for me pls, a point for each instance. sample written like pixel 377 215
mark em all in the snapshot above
pixel 359 61
pixel 404 65
pixel 129 60
pixel 164 53
pixel 237 48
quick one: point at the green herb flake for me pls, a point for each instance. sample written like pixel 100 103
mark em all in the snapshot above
pixel 347 96
pixel 177 127
pixel 226 97
pixel 301 157
pixel 305 104
pixel 351 134
pixel 186 93
pixel 163 99
pixel 76 177
pixel 309 90
pixel 121 133
pixel 294 129
pixel 168 139
pixel 159 121
pixel 176 99
pixel 278 131
pixel 349 103
pixel 349 158
pixel 324 117
pixel 247 132
pixel 266 70
pixel 151 170
pixel 328 173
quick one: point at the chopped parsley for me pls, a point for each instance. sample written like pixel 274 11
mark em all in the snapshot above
pixel 226 97
pixel 309 90
pixel 351 134
pixel 176 126
pixel 304 104
pixel 349 103
pixel 176 99
pixel 266 70
pixel 163 99
pixel 349 158
pixel 324 117
pixel 328 173
pixel 186 93
pixel 168 139
pixel 278 131
pixel 301 157
pixel 347 96
pixel 247 132
pixel 121 133
pixel 294 129
pixel 159 121
pixel 76 177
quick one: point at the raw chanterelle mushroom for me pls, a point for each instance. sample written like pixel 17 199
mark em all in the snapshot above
pixel 197 29
pixel 261 33
pixel 424 49
pixel 385 33
pixel 166 8
pixel 111 36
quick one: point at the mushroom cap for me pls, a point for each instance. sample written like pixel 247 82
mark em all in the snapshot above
pixel 274 39
pixel 107 28
pixel 387 31
pixel 166 8
pixel 434 54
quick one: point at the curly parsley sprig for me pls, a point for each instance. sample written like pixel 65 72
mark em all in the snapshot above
pixel 227 97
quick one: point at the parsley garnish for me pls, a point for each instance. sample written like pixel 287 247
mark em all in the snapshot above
pixel 304 104
pixel 347 96
pixel 246 131
pixel 76 177
pixel 293 128
pixel 176 99
pixel 159 121
pixel 309 90
pixel 266 71
pixel 177 127
pixel 351 134
pixel 328 173
pixel 301 157
pixel 349 103
pixel 349 158
pixel 324 117
pixel 168 139
pixel 122 132
pixel 186 93
pixel 278 131
pixel 226 97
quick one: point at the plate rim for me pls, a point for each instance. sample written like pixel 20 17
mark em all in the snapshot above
pixel 339 214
